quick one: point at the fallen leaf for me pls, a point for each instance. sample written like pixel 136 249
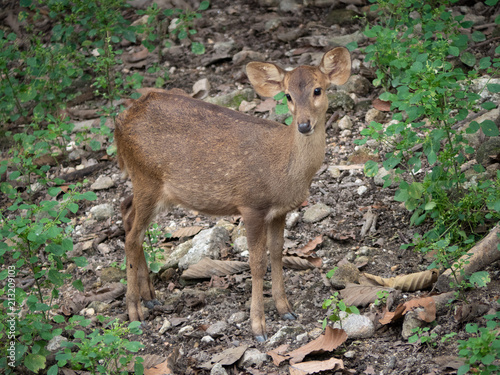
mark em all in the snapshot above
pixel 226 358
pixel 266 106
pixel 278 354
pixel 361 295
pixel 312 367
pixel 187 232
pixel 330 340
pixel 406 283
pixel 381 105
pixel 206 268
pixel 309 248
pixel 298 263
pixel 427 315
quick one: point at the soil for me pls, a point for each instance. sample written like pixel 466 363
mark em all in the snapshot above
pixel 203 303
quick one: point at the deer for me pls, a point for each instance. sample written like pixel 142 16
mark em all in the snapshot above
pixel 178 150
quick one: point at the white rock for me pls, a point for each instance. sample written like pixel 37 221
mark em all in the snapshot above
pixel 345 123
pixel 102 182
pixel 102 211
pixel 356 326
pixel 165 326
pixel 207 243
pixel 362 189
pixel 252 357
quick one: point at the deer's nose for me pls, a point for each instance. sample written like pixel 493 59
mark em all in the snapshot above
pixel 305 127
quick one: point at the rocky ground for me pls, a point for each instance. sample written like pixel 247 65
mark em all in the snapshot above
pixel 201 320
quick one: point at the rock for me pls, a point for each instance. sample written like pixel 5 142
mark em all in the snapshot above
pixel 340 100
pixel 165 326
pixel 102 182
pixel 237 317
pixel 345 123
pixel 239 231
pixel 82 126
pixel 283 333
pixel 344 274
pixel 179 252
pixel 207 339
pixel 356 326
pixel 490 147
pixel 217 329
pixel 103 248
pixel 218 369
pixel 361 190
pixel 292 219
pixel 207 243
pixel 288 5
pixel 186 330
pixel 411 321
pixel 345 133
pixel 341 17
pixel 358 85
pixel 379 177
pixel 112 275
pixel 241 244
pixel 316 213
pixel 252 358
pixel 350 354
pixel 99 306
pixel 102 211
pixel 233 99
pixel 55 343
pixel 474 139
pixel 374 115
pixel 334 172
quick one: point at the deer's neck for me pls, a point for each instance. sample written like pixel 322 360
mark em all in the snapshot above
pixel 309 152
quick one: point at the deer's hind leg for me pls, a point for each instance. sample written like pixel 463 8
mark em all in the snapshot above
pixel 139 213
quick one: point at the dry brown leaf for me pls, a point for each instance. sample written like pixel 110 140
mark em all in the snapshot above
pixel 313 367
pixel 308 248
pixel 278 354
pixel 266 106
pixel 330 340
pixel 226 358
pixel 427 315
pixel 361 295
pixel 381 105
pixel 407 283
pixel 206 268
pixel 302 263
pixel 187 232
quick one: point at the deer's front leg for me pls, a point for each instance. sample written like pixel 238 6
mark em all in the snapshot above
pixel 275 241
pixel 256 235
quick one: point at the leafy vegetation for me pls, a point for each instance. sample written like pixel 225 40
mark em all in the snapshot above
pixel 82 49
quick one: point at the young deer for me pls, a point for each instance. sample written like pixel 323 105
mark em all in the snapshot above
pixel 182 151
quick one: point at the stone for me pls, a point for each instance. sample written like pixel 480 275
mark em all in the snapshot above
pixel 55 343
pixel 112 275
pixel 345 273
pixel 238 317
pixel 361 190
pixel 358 85
pixel 252 358
pixel 356 326
pixel 217 329
pixel 345 123
pixel 292 219
pixel 316 213
pixel 411 321
pixel 475 139
pixel 218 369
pixel 340 100
pixel 165 326
pixel 283 333
pixel 241 244
pixel 82 126
pixel 490 147
pixel 233 99
pixel 102 182
pixel 374 115
pixel 99 306
pixel 102 211
pixel 334 171
pixel 379 177
pixel 207 243
pixel 179 252
pixel 341 17
pixel 207 339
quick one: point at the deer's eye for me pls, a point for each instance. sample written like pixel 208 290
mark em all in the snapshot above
pixel 317 91
pixel 288 97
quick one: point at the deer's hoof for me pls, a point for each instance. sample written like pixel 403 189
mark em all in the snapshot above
pixel 151 303
pixel 289 316
pixel 261 338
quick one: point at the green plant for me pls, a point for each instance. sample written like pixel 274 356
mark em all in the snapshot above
pixel 106 352
pixel 335 306
pixel 431 97
pixel 282 106
pixel 423 335
pixel 153 255
pixel 381 297
pixel 482 349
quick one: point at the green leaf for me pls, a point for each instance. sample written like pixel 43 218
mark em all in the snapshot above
pixel 454 51
pixel 95 145
pixel 491 2
pixel 480 279
pixel 415 190
pixel 485 63
pixel 488 105
pixel 478 36
pixel 351 46
pixel 34 362
pixel 489 128
pixel 371 168
pixel 493 87
pixel 473 127
pixel 78 285
pixel 468 59
pixel 197 48
pixel 204 5
pixel 73 207
pixel 80 261
pixel 53 191
pixel 430 205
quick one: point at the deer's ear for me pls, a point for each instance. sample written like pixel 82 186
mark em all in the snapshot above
pixel 336 64
pixel 266 78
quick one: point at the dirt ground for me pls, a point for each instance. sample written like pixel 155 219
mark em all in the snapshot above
pixel 296 34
